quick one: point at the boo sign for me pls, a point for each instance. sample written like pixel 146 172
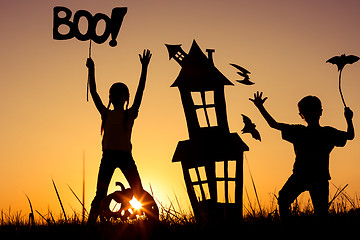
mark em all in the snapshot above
pixel 62 16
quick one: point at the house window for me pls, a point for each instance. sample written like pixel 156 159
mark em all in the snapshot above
pixel 180 56
pixel 205 108
pixel 196 96
pixel 225 170
pixel 220 185
pixel 231 169
pixel 219 169
pixel 209 97
pixel 231 191
pixel 225 191
pixel 202 192
pixel 225 181
pixel 199 183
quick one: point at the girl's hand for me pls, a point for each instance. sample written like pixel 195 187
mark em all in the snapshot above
pixel 90 63
pixel 145 58
pixel 258 100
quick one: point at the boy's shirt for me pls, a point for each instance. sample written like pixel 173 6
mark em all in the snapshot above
pixel 312 148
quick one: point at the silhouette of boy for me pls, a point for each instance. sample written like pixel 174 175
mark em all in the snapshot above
pixel 312 144
pixel 116 128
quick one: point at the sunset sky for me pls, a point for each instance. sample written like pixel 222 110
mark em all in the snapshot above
pixel 47 125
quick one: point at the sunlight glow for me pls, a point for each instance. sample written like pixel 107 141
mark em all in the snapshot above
pixel 135 203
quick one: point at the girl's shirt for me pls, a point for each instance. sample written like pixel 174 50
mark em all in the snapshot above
pixel 117 129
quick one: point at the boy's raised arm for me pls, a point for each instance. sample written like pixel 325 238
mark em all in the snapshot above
pixel 145 60
pixel 350 126
pixel 95 96
pixel 259 103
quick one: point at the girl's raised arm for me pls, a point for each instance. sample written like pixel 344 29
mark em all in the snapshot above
pixel 95 96
pixel 145 60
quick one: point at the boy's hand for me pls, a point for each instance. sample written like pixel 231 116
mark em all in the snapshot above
pixel 90 63
pixel 348 114
pixel 145 58
pixel 258 100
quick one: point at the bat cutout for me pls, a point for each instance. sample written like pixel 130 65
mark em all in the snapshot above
pixel 340 62
pixel 244 73
pixel 250 128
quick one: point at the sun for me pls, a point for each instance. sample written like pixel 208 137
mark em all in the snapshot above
pixel 135 203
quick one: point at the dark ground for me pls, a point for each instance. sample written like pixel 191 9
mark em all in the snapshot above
pixel 335 227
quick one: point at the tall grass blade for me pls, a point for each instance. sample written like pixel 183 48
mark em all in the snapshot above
pixel 83 192
pixel 31 215
pixel 351 201
pixel 253 183
pixel 51 215
pixel 46 220
pixel 9 214
pixel 250 205
pixel 78 199
pixel 57 193
pixel 357 199
pixel 337 193
pixel 151 190
pixel 178 203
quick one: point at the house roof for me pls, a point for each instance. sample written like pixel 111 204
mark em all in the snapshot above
pixel 198 73
pixel 210 149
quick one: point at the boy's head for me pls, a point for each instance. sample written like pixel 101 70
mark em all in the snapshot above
pixel 119 94
pixel 310 109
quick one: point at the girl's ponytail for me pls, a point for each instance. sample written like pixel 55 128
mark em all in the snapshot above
pixel 104 117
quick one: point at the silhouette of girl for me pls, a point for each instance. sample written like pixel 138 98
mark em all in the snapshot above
pixel 116 129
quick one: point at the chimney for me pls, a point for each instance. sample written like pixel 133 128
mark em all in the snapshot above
pixel 210 55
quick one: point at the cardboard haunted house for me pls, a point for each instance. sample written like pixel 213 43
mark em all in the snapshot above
pixel 212 158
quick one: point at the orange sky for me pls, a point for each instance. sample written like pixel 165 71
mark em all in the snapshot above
pixel 46 123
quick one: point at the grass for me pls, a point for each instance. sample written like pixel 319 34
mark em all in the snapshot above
pixel 258 221
pixel 174 225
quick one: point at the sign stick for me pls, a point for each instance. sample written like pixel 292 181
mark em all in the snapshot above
pixel 88 82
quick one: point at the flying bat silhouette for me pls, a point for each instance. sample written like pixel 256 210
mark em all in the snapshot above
pixel 250 128
pixel 244 73
pixel 342 60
